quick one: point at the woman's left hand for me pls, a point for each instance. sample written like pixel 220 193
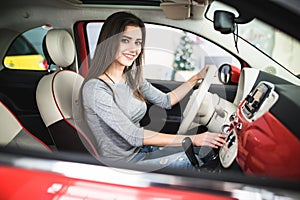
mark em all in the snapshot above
pixel 200 75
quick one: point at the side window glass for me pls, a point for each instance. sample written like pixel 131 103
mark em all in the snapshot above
pixel 172 54
pixel 93 30
pixel 26 52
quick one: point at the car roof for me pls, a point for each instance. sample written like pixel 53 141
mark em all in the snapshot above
pixel 282 14
pixel 126 2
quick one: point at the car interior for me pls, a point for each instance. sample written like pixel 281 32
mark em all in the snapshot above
pixel 246 94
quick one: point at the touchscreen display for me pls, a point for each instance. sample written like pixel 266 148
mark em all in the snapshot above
pixel 255 99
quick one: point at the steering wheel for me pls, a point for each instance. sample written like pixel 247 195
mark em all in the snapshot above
pixel 195 101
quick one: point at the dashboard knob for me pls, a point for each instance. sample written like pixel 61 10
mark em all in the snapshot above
pixel 255 104
pixel 226 129
pixel 239 126
pixel 232 117
pixel 235 120
pixel 249 98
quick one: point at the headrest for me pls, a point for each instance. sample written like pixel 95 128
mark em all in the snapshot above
pixel 59 46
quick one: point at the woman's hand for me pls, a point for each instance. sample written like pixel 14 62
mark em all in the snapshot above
pixel 199 76
pixel 203 72
pixel 179 93
pixel 214 140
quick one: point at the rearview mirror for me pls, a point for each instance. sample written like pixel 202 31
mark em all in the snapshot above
pixel 224 21
pixel 226 18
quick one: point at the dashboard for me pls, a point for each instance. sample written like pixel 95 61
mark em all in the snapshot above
pixel 263 132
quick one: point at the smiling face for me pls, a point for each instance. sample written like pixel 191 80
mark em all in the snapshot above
pixel 130 46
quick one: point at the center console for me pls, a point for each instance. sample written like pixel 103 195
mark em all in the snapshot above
pixel 254 105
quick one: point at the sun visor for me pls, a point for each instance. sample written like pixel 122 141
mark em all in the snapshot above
pixel 177 10
pixel 183 9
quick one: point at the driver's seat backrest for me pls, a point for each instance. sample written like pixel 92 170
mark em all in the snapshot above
pixel 14 135
pixel 57 96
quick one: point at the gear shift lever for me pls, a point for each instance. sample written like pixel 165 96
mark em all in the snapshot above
pixel 189 151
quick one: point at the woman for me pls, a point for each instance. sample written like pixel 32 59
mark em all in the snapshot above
pixel 114 97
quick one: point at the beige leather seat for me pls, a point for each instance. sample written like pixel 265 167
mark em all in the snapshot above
pixel 57 96
pixel 14 135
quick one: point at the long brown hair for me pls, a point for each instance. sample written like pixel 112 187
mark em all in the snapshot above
pixel 105 54
pixel 107 47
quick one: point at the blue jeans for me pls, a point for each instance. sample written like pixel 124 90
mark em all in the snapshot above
pixel 160 157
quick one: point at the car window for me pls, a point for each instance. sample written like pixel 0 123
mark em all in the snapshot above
pixel 171 53
pixel 21 46
pixel 25 52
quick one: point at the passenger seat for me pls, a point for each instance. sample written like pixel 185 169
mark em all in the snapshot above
pixel 14 135
pixel 57 95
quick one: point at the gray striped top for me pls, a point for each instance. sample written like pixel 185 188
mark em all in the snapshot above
pixel 114 117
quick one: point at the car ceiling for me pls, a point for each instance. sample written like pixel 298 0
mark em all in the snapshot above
pixel 276 12
pixel 120 2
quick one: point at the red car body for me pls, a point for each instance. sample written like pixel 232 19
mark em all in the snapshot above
pixel 17 183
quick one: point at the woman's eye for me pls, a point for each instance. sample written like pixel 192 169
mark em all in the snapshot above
pixel 139 43
pixel 124 40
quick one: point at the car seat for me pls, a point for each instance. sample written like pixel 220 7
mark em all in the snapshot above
pixel 57 95
pixel 14 135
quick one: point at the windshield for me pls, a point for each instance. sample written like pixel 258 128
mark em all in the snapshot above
pixel 279 46
pixel 276 44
